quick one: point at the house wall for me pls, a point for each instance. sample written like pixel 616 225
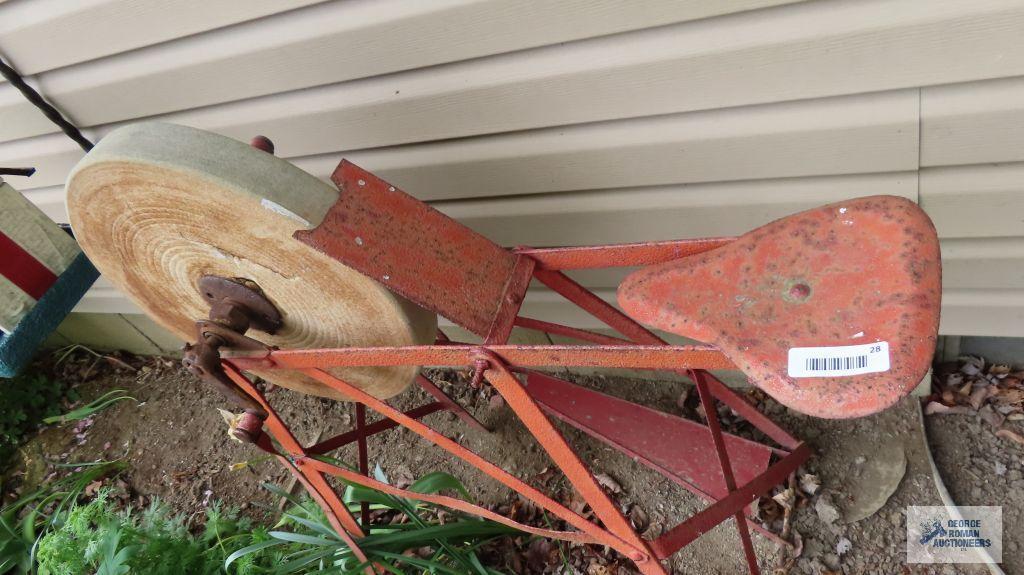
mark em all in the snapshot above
pixel 570 122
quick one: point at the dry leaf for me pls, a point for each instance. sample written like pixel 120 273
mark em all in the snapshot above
pixel 948 397
pixel 971 365
pixel 639 519
pixel 991 417
pixel 92 488
pixel 785 498
pixel 809 483
pixel 606 481
pixel 935 407
pixel 1007 434
pixel 999 370
pixel 978 396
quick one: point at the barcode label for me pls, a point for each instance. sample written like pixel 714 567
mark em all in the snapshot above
pixel 839 361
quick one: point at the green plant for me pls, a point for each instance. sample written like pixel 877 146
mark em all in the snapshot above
pixel 91 408
pixel 24 401
pixel 99 538
pixel 421 544
pixel 50 532
pixel 27 521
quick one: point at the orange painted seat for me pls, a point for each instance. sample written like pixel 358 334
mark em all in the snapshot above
pixel 833 311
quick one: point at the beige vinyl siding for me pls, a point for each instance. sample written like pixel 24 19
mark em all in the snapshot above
pixel 575 122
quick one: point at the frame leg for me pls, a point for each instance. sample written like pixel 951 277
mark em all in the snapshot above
pixel 601 536
pixel 566 459
pixel 314 481
pixel 442 397
pixel 711 412
pixel 364 464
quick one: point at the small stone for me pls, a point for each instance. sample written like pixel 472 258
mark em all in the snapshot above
pixel 860 459
pixel 826 511
pixel 1014 475
pixel 831 561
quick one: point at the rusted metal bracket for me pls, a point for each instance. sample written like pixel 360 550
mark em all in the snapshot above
pixel 236 304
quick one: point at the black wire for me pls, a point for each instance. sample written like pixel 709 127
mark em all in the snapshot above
pixel 12 76
pixel 17 171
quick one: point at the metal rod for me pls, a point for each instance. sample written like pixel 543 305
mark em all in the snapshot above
pixel 599 308
pixel 654 357
pixel 419 428
pixel 686 532
pixel 511 301
pixel 17 171
pixel 34 98
pixel 566 459
pixel 337 511
pixel 364 464
pixel 711 413
pixel 329 445
pixel 575 333
pixel 450 404
pixel 619 255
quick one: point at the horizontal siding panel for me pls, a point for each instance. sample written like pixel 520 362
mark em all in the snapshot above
pixel 974 123
pixel 986 312
pixel 853 134
pixel 873 133
pixel 799 52
pixel 50 200
pixel 52 155
pixel 42 35
pixel 982 263
pixel 663 212
pixel 975 201
pixel 17 116
pixel 338 41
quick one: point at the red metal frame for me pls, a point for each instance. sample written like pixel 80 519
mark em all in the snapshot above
pixel 534 403
pixel 446 267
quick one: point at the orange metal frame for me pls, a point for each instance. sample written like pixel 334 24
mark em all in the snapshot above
pixel 445 267
pixel 502 366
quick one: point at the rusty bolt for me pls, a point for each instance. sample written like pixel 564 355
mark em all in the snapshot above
pixel 800 291
pixel 479 367
pixel 262 143
pixel 249 428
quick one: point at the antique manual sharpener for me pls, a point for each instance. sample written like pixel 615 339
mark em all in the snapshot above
pixel 336 292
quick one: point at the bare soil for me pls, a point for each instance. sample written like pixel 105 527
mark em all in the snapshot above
pixel 178 449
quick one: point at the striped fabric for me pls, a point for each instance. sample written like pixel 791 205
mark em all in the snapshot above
pixel 33 253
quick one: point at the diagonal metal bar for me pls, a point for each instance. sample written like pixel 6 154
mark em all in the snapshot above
pixel 329 445
pixel 653 357
pixel 338 514
pixel 619 255
pixel 565 458
pixel 686 532
pixel 449 403
pixel 711 412
pixel 557 509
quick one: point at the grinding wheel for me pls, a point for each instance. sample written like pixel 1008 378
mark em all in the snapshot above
pixel 158 206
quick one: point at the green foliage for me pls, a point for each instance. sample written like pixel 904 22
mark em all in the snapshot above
pixel 97 538
pixel 24 401
pixel 99 404
pixel 49 533
pixel 29 519
pixel 420 545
